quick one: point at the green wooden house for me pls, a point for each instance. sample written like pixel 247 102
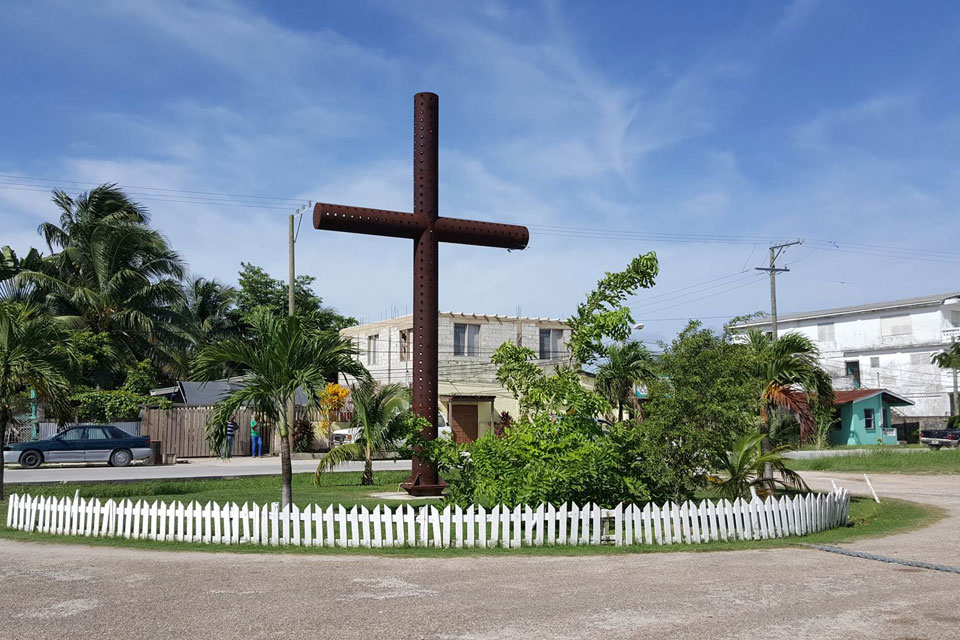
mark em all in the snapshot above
pixel 864 416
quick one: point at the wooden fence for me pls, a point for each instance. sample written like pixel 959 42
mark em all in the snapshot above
pixel 428 526
pixel 182 430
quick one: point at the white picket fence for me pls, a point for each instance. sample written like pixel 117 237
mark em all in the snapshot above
pixel 428 526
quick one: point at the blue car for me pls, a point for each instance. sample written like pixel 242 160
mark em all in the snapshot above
pixel 85 443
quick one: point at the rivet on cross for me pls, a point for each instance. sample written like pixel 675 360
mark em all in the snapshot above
pixel 426 229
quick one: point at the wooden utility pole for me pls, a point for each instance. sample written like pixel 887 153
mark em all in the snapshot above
pixel 775 251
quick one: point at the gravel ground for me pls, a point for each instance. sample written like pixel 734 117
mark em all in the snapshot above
pixel 58 591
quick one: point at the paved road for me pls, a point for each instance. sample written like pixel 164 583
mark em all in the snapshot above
pixel 193 468
pixel 56 591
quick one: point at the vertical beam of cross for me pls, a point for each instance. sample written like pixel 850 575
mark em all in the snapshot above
pixel 426 228
pixel 426 304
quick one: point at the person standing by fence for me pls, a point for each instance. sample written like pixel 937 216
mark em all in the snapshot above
pixel 256 440
pixel 231 433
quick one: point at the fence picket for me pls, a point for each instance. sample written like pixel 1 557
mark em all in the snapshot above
pixel 387 518
pixel 482 526
pixel 445 526
pixel 353 517
pixel 458 526
pixel 363 519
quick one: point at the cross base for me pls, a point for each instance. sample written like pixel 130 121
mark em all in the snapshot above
pixel 415 488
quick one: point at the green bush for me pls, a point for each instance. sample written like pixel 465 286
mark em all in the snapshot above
pixel 108 406
pixel 954 422
pixel 302 436
pixel 566 459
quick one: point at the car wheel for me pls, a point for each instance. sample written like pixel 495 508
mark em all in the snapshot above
pixel 120 458
pixel 31 459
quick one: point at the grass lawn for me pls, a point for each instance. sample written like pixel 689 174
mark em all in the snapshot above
pixel 868 518
pixel 886 461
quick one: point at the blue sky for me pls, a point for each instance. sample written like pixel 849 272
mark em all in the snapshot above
pixel 729 124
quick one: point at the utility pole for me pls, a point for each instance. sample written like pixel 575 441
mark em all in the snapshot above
pixel 291 308
pixel 775 251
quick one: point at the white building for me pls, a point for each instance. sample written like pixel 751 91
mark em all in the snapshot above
pixel 885 345
pixel 471 399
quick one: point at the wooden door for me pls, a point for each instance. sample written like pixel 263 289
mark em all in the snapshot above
pixel 464 422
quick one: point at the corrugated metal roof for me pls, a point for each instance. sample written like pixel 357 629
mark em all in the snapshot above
pixel 852 395
pixel 920 301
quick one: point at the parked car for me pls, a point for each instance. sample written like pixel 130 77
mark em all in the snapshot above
pixel 85 443
pixel 937 438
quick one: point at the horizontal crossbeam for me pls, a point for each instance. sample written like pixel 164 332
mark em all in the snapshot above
pixel 396 224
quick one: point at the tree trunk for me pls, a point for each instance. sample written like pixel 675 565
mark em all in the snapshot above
pixel 766 446
pixel 3 440
pixel 367 479
pixel 286 471
pixel 619 410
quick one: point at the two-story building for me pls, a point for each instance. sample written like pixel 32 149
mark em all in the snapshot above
pixel 885 345
pixel 471 399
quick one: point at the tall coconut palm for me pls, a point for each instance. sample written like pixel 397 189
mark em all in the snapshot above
pixel 626 365
pixel 13 287
pixel 33 355
pixel 790 377
pixel 121 279
pixel 374 410
pixel 204 315
pixel 278 358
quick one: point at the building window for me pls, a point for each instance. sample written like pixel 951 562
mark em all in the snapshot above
pixel 825 332
pixel 898 325
pixel 868 423
pixel 551 343
pixel 372 349
pixel 875 362
pixel 852 368
pixel 919 358
pixel 406 339
pixel 955 319
pixel 466 339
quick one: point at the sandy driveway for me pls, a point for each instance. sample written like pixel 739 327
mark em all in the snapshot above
pixel 58 591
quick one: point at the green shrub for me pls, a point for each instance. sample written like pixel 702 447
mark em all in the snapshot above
pixel 108 406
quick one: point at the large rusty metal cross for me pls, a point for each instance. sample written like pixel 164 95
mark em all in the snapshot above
pixel 426 229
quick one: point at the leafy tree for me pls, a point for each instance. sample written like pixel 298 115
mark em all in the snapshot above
pixel 626 365
pixel 744 466
pixel 536 392
pixel 280 357
pixel 950 359
pixel 376 410
pixel 258 290
pixel 603 315
pixel 790 377
pixel 703 399
pixel 100 366
pixel 33 355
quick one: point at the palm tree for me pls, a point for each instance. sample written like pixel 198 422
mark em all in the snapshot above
pixel 279 358
pixel 950 359
pixel 204 316
pixel 33 355
pixel 745 465
pixel 119 278
pixel 627 364
pixel 374 411
pixel 790 377
pixel 12 285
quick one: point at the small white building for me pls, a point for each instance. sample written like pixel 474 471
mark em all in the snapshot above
pixel 884 345
pixel 471 399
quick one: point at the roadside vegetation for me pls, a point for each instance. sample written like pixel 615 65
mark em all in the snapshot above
pixel 885 460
